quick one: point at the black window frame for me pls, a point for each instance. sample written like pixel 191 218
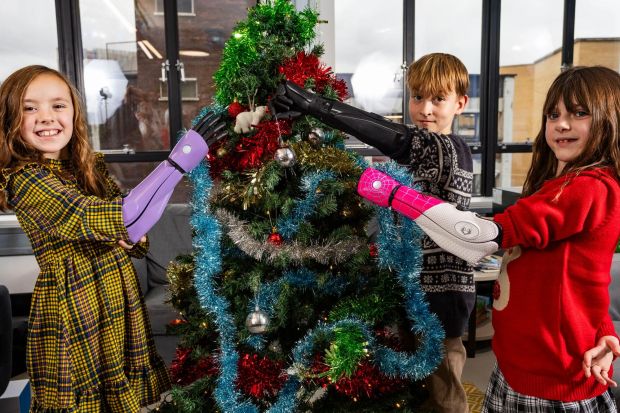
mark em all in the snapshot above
pixel 71 63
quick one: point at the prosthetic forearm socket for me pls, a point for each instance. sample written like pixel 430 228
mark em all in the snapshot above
pixel 462 233
pixel 144 204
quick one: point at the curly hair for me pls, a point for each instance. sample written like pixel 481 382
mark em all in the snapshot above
pixel 15 152
pixel 595 89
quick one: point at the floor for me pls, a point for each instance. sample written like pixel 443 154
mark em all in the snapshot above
pixel 478 369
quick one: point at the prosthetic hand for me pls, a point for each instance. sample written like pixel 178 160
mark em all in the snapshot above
pixel 462 233
pixel 144 204
pixel 392 139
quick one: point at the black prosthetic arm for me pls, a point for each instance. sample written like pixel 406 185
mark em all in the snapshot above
pixel 392 139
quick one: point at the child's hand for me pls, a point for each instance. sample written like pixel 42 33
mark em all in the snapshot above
pixel 129 246
pixel 597 361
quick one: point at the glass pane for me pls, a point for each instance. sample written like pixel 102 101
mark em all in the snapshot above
pixel 368 54
pixel 123 52
pixel 29 36
pixel 597 33
pixel 201 41
pixel 530 58
pixel 511 169
pixel 432 19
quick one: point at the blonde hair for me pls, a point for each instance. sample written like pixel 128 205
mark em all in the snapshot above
pixel 16 152
pixel 595 89
pixel 437 73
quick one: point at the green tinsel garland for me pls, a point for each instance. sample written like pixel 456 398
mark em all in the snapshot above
pixel 271 34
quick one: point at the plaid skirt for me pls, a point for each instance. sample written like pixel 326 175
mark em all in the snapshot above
pixel 501 398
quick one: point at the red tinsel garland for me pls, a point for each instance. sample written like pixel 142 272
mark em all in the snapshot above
pixel 304 66
pixel 184 370
pixel 367 381
pixel 259 376
pixel 250 151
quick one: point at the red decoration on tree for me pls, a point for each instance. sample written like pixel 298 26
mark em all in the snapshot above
pixel 184 370
pixel 367 381
pixel 373 250
pixel 177 322
pixel 260 377
pixel 304 66
pixel 250 151
pixel 235 108
pixel 275 238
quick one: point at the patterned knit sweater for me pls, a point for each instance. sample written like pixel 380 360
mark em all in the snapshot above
pixel 442 167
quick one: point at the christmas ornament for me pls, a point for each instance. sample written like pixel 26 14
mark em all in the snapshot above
pixel 257 321
pixel 245 121
pixel 275 346
pixel 285 157
pixel 316 136
pixel 373 250
pixel 221 152
pixel 235 108
pixel 275 238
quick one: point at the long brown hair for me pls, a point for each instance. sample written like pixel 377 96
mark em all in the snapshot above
pixel 595 89
pixel 15 151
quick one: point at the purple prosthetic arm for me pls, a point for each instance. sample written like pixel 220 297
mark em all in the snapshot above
pixel 462 233
pixel 144 204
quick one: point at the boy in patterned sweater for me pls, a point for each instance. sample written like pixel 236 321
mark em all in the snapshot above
pixel 441 164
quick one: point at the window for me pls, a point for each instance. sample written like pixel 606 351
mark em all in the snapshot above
pixel 597 33
pixel 123 53
pixel 369 54
pixel 184 7
pixel 433 21
pixel 530 58
pixel 189 89
pixel 29 36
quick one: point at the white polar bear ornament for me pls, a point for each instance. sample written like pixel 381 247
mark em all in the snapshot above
pixel 245 121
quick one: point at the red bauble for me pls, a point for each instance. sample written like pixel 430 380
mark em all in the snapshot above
pixel 373 250
pixel 235 108
pixel 275 239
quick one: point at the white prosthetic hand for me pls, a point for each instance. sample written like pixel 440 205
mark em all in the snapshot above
pixel 462 233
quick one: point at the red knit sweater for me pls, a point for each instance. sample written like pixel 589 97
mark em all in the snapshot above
pixel 551 299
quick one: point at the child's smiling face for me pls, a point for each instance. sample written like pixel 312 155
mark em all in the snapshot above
pixel 567 133
pixel 47 116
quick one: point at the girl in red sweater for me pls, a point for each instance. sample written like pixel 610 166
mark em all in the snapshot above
pixel 554 339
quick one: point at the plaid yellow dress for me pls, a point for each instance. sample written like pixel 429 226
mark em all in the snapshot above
pixel 90 346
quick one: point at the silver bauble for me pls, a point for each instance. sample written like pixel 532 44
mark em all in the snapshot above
pixel 285 157
pixel 316 136
pixel 257 321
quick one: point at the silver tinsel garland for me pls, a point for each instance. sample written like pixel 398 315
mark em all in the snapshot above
pixel 329 252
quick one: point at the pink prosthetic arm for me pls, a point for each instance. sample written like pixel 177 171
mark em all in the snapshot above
pixel 144 204
pixel 462 233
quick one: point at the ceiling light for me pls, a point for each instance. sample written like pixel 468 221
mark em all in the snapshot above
pixel 144 49
pixel 193 53
pixel 152 49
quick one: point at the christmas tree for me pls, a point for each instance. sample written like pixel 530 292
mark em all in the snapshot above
pixel 286 303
